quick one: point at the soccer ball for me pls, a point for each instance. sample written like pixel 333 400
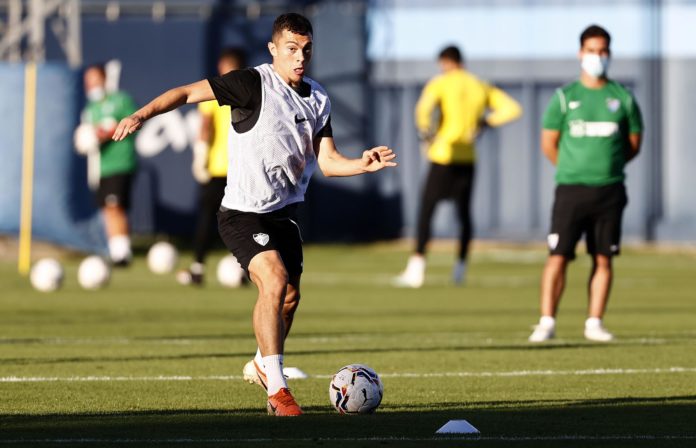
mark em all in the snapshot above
pixel 47 275
pixel 230 272
pixel 85 139
pixel 93 273
pixel 356 389
pixel 162 258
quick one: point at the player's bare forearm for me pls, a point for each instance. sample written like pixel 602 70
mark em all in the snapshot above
pixel 333 164
pixel 169 100
pixel 549 144
pixel 634 142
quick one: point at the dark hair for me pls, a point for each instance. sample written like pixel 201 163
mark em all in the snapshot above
pixel 293 22
pixel 594 31
pixel 236 54
pixel 451 53
pixel 98 67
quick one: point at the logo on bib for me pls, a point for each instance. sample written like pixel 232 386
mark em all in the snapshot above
pixel 261 238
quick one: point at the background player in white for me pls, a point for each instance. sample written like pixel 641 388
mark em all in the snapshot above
pixel 280 131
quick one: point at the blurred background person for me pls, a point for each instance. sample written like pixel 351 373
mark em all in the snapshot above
pixel 591 128
pixel 117 160
pixel 209 168
pixel 467 106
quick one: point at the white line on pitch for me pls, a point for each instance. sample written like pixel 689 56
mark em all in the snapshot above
pixel 513 373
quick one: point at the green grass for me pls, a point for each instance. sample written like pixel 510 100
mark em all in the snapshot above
pixel 465 348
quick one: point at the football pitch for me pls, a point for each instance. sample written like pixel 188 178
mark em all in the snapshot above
pixel 147 362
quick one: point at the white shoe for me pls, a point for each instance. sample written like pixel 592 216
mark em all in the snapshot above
pixel 595 331
pixel 414 274
pixel 542 333
pixel 544 330
pixel 252 374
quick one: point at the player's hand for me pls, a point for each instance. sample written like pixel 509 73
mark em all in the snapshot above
pixel 377 158
pixel 127 126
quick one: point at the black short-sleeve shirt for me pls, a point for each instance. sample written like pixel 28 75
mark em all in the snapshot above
pixel 242 91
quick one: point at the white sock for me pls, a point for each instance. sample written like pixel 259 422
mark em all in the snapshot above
pixel 415 266
pixel 120 248
pixel 593 322
pixel 273 365
pixel 259 358
pixel 547 322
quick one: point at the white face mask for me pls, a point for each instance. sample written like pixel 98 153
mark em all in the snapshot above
pixel 595 65
pixel 96 94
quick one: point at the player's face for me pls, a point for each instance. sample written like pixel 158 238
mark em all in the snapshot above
pixel 94 79
pixel 291 54
pixel 595 45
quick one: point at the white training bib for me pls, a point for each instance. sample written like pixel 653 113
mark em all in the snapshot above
pixel 271 164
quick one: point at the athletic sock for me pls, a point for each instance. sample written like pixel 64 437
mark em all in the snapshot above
pixel 415 266
pixel 120 248
pixel 273 365
pixel 259 358
pixel 547 322
pixel 593 322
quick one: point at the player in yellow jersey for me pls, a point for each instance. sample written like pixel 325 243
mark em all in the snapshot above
pixel 467 106
pixel 209 168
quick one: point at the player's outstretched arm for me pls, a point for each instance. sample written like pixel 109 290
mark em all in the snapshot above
pixel 333 163
pixel 169 100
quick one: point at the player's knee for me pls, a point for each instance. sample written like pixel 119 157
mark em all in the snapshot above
pixel 275 281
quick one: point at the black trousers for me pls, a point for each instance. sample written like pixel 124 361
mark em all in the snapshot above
pixel 447 182
pixel 206 224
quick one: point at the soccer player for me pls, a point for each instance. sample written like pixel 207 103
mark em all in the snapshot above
pixel 281 130
pixel 209 168
pixel 592 128
pixel 467 106
pixel 117 159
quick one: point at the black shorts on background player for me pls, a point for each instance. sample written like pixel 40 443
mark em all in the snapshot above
pixel 115 190
pixel 248 234
pixel 594 211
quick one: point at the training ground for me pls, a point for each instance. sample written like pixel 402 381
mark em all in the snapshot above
pixel 147 362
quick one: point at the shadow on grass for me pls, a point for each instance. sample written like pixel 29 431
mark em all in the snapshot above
pixel 331 351
pixel 625 421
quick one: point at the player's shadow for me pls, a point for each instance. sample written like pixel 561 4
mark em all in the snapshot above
pixel 618 421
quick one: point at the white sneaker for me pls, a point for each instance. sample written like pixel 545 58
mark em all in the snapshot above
pixel 414 274
pixel 252 374
pixel 595 331
pixel 544 330
pixel 541 334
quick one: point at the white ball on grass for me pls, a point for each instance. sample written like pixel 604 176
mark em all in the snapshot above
pixel 47 275
pixel 93 273
pixel 356 389
pixel 162 258
pixel 230 272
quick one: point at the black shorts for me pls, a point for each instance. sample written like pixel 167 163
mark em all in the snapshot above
pixel 594 211
pixel 115 190
pixel 248 234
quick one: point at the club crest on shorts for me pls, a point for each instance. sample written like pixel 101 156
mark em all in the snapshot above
pixel 261 238
pixel 552 240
